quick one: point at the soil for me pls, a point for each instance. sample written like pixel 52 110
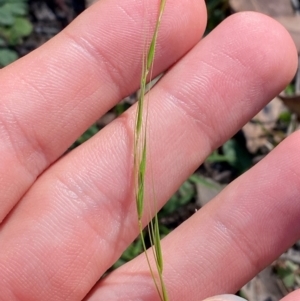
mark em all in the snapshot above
pixel 49 17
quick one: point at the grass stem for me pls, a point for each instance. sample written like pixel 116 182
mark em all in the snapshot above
pixel 140 158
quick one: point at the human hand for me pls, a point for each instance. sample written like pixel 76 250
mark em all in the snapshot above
pixel 66 221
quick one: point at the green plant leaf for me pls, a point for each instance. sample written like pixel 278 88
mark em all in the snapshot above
pixel 131 252
pixel 289 280
pixel 6 16
pixel 7 56
pixel 16 8
pixel 22 27
pixel 236 155
pixel 2 42
pixel 90 132
pixel 290 90
pixel 184 195
pixel 285 116
pixel 214 157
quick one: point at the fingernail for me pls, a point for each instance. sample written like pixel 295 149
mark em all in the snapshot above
pixel 225 298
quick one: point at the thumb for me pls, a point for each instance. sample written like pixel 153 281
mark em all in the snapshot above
pixel 225 298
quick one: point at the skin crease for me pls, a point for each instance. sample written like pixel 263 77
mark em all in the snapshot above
pixel 67 220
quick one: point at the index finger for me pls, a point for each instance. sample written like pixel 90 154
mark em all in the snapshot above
pixel 51 96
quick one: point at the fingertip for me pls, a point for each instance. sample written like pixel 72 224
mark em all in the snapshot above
pixel 272 43
pixel 225 298
pixel 294 296
pixel 261 47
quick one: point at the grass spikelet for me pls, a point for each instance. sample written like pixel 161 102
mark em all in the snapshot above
pixel 140 157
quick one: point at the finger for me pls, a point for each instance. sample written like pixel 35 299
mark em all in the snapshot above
pixel 294 296
pixel 223 246
pixel 51 96
pixel 225 298
pixel 81 214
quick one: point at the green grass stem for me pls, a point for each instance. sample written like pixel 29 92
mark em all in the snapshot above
pixel 140 158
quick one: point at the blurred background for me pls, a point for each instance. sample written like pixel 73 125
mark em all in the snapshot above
pixel 27 24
